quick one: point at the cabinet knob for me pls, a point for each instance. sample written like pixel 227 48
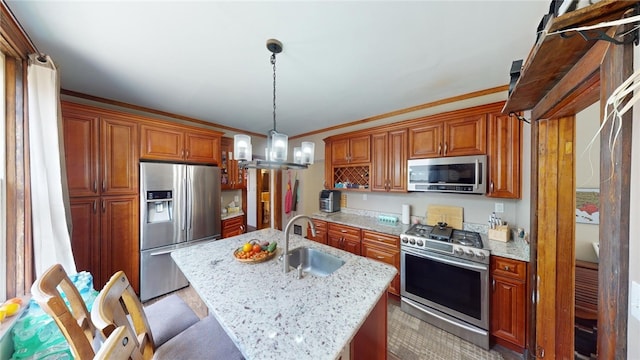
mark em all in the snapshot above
pixel 491 186
pixel 95 186
pixel 445 148
pixel 440 149
pixel 507 268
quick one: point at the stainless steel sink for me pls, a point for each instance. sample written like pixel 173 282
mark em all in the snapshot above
pixel 314 261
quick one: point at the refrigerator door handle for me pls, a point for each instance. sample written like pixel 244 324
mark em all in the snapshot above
pixel 189 190
pixel 183 219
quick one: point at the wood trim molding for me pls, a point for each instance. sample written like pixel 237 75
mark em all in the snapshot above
pixel 13 40
pixel 444 101
pixel 428 105
pixel 155 112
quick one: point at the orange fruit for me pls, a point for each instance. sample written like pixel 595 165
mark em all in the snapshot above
pixel 15 300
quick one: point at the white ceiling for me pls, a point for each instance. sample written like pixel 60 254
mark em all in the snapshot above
pixel 342 60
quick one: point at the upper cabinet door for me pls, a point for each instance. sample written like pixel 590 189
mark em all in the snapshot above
pixel 202 148
pixel 425 141
pixel 360 149
pixel 161 143
pixel 81 153
pixel 351 150
pixel 505 152
pixel 465 136
pixel 119 157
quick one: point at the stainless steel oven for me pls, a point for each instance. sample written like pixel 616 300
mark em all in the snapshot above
pixel 445 281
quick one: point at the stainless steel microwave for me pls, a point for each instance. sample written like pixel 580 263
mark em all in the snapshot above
pixel 456 174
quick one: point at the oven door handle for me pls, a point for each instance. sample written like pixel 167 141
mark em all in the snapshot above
pixel 450 262
pixel 411 303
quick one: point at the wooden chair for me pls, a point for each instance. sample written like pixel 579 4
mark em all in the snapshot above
pixel 117 305
pixel 119 346
pixel 75 323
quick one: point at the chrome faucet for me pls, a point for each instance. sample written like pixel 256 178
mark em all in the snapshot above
pixel 285 258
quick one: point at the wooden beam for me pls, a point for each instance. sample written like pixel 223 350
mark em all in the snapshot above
pixel 555 207
pixel 578 89
pixel 615 167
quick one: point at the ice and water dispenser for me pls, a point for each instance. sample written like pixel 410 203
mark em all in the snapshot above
pixel 159 206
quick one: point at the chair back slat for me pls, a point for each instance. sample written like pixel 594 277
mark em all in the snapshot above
pixel 74 320
pixel 118 305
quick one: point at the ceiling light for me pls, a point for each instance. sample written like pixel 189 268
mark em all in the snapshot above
pixel 276 152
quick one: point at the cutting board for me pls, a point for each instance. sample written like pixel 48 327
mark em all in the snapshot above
pixel 452 215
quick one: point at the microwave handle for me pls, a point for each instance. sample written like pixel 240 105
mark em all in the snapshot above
pixel 477 175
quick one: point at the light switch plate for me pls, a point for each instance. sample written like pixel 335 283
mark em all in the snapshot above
pixel 635 300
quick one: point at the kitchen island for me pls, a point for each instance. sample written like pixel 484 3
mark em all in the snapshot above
pixel 272 315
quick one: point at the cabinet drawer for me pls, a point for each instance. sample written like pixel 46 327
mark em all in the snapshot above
pixel 344 231
pixel 509 268
pixel 233 222
pixel 377 238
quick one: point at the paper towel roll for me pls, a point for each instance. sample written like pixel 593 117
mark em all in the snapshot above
pixel 406 214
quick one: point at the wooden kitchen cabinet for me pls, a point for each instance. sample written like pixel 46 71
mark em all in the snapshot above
pixel 508 302
pixel 351 150
pixel 459 134
pixel 344 237
pixel 168 142
pixel 85 237
pixel 233 226
pixel 504 156
pixel 100 153
pixel 389 161
pixel 385 248
pixel 321 231
pixel 232 176
pixel 119 240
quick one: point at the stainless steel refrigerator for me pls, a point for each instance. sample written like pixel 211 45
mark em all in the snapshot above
pixel 179 205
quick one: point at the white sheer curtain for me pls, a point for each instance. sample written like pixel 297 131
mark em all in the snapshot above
pixel 51 240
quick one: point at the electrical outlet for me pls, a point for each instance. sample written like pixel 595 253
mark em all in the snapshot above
pixel 635 300
pixel 297 229
pixel 364 197
pixel 236 198
pixel 499 207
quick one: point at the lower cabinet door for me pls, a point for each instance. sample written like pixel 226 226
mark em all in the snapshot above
pixel 508 311
pixel 85 238
pixel 119 241
pixel 386 255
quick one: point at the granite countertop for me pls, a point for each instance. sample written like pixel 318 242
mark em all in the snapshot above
pixel 231 215
pixel 272 315
pixel 516 249
pixel 363 222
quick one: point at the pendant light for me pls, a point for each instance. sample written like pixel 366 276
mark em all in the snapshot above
pixel 277 143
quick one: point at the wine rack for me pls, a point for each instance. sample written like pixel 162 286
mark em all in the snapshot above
pixel 351 177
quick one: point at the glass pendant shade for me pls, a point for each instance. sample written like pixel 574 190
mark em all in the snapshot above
pixel 297 155
pixel 308 152
pixel 242 147
pixel 279 146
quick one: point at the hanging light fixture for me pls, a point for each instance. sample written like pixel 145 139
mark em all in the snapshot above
pixel 277 143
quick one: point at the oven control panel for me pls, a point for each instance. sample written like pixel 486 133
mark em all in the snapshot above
pixel 445 247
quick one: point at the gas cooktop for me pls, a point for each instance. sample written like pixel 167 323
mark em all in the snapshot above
pixel 444 239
